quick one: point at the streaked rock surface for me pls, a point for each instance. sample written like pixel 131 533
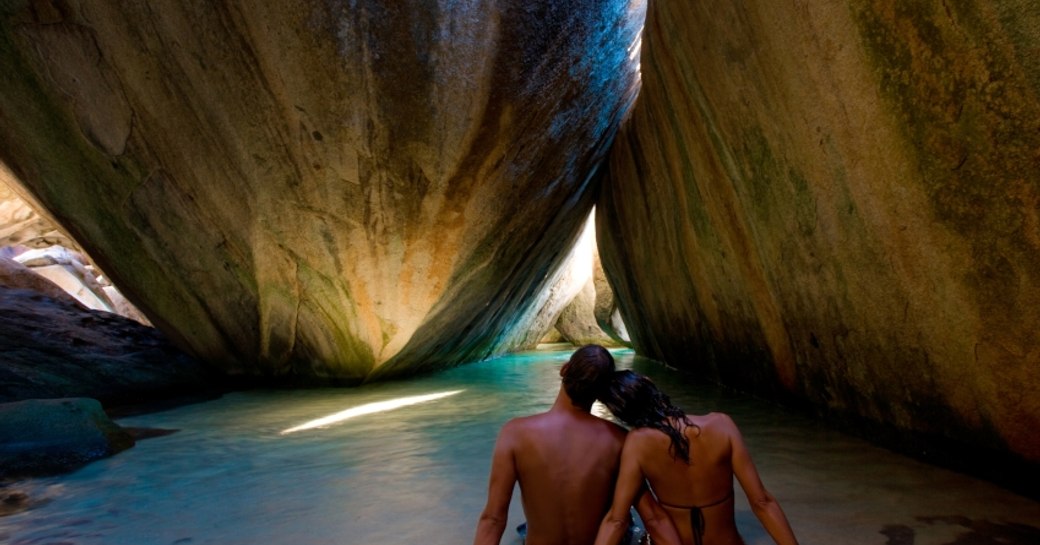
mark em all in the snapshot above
pixel 319 188
pixel 839 202
pixel 51 346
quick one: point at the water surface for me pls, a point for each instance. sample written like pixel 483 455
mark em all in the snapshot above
pixel 417 474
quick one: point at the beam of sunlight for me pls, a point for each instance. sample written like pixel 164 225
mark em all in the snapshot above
pixel 368 408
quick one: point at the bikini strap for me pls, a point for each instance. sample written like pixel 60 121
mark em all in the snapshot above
pixel 697 524
pixel 712 504
pixel 697 515
pixel 724 499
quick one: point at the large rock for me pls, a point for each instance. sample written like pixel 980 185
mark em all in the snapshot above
pixel 44 437
pixel 840 208
pixel 319 188
pixel 53 347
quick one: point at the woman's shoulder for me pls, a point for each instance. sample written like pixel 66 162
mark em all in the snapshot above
pixel 645 438
pixel 715 421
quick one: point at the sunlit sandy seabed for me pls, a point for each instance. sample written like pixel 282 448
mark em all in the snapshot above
pixel 407 463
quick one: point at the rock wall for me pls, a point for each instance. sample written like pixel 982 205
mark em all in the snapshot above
pixel 319 188
pixel 51 346
pixel 837 202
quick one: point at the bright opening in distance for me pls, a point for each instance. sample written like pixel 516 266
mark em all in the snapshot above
pixel 368 408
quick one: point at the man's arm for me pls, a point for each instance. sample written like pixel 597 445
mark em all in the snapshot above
pixel 492 521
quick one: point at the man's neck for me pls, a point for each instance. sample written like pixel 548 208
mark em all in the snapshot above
pixel 564 403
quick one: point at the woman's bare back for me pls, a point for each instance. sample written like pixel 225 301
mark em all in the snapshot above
pixel 697 496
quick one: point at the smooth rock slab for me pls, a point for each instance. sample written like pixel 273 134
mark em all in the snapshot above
pixel 55 348
pixel 320 188
pixel 42 437
pixel 837 203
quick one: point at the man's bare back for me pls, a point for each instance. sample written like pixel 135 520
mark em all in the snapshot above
pixel 566 463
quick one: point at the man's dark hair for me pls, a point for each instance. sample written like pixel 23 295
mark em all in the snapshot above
pixel 587 375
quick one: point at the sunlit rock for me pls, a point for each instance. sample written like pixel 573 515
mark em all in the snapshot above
pixel 577 323
pixel 319 188
pixel 606 311
pixel 580 323
pixel 838 202
pixel 14 275
pixel 24 234
pixel 70 272
pixel 564 310
pixel 563 286
pixel 21 224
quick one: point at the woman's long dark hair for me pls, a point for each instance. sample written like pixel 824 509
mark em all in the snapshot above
pixel 637 402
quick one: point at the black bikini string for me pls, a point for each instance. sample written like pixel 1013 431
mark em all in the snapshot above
pixel 697 523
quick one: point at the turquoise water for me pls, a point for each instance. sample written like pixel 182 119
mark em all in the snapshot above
pixel 417 474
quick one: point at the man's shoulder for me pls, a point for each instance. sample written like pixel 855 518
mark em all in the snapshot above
pixel 521 423
pixel 526 419
pixel 550 420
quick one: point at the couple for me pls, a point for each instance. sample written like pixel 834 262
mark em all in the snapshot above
pixel 579 474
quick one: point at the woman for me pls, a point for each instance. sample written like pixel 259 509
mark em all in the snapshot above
pixel 689 462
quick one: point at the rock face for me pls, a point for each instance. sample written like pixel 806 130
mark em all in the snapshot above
pixel 43 437
pixel 842 208
pixel 565 285
pixel 591 317
pixel 53 347
pixel 319 188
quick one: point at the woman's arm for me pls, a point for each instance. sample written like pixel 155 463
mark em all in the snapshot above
pixel 658 524
pixel 630 483
pixel 763 504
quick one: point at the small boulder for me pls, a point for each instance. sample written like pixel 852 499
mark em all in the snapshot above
pixel 49 436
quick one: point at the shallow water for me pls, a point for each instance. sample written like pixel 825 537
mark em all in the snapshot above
pixel 417 474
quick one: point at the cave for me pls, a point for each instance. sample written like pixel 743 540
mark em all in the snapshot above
pixel 830 206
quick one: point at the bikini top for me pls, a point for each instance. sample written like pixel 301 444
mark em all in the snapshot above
pixel 697 515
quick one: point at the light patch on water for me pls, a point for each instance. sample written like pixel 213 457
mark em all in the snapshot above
pixel 368 408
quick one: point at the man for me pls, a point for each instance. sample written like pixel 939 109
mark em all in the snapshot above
pixel 566 461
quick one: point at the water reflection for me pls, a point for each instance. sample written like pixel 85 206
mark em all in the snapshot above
pixel 418 474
